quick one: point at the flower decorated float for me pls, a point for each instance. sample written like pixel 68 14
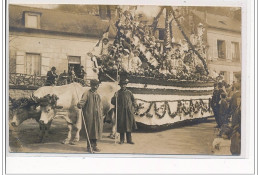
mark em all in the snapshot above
pixel 169 79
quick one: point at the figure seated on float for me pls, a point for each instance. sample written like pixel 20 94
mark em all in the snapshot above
pixel 157 49
pixel 135 62
pixel 124 60
pixel 189 60
pixel 101 49
pixel 163 68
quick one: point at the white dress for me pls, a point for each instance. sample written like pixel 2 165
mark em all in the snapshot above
pixel 135 64
pixel 125 64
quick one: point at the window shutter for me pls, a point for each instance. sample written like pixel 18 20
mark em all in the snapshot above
pixel 20 62
pixel 45 64
pixel 215 49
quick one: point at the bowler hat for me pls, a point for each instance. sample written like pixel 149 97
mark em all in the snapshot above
pixel 94 82
pixel 123 82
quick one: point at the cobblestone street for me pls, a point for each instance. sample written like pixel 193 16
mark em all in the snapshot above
pixel 192 139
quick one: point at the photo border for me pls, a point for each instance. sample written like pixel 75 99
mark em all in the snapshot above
pixel 94 159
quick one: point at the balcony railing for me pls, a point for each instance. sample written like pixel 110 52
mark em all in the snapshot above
pixel 25 81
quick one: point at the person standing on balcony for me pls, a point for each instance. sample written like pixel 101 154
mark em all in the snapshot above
pixel 51 77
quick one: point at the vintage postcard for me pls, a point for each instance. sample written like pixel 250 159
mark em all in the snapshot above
pixel 124 79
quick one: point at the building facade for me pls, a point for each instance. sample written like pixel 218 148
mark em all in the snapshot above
pixel 223 37
pixel 42 38
pixel 224 53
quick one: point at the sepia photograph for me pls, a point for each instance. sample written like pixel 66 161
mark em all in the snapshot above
pixel 124 79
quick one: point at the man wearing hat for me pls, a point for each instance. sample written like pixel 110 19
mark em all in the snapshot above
pixel 92 110
pixel 125 112
pixel 51 77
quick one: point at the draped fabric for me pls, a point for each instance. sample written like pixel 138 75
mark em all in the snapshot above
pixel 32 64
pixel 92 111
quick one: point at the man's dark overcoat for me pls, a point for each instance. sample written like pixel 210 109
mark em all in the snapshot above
pixel 125 111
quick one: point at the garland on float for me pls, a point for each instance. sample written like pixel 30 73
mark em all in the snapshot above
pixel 192 109
pixel 174 114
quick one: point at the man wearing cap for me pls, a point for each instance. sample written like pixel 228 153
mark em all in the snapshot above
pixel 92 110
pixel 51 77
pixel 125 112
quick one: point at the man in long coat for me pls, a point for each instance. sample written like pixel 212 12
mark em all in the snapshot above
pixel 125 112
pixel 216 104
pixel 92 111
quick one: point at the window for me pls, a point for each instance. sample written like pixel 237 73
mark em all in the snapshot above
pixel 235 51
pixel 74 59
pixel 161 34
pixel 32 20
pixel 32 64
pixel 221 49
pixel 105 12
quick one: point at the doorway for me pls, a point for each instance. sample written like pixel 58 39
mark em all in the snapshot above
pixel 74 62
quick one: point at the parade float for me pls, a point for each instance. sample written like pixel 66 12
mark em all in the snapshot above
pixel 172 85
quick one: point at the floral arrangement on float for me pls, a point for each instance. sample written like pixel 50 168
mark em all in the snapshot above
pixel 176 72
pixel 136 52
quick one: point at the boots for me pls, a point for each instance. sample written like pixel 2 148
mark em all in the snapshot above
pixel 129 138
pixel 93 143
pixel 122 138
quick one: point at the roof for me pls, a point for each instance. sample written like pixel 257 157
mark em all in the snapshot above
pixel 59 21
pixel 219 22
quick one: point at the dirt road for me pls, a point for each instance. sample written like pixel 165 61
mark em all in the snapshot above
pixel 192 139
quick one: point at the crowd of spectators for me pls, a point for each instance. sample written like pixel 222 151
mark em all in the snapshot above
pixel 226 105
pixel 65 78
